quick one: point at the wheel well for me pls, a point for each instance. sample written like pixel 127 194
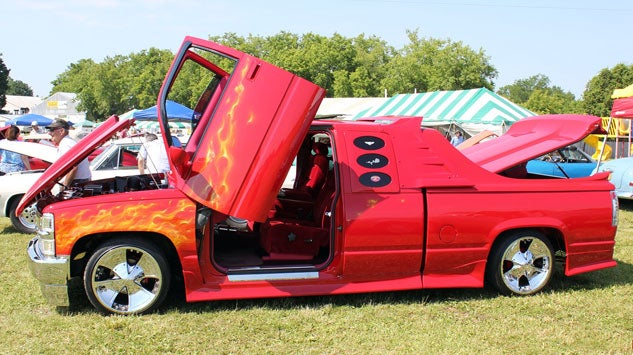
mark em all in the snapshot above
pixel 84 247
pixel 7 207
pixel 554 236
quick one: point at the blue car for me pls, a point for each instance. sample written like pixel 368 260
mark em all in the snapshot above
pixel 566 162
pixel 621 176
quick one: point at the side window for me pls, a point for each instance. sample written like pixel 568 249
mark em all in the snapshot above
pixel 111 161
pixel 127 157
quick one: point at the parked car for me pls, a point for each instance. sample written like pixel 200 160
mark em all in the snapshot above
pixel 118 158
pixel 400 208
pixel 620 174
pixel 565 162
pixel 14 185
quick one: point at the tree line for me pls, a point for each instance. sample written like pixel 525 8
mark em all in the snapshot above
pixel 361 66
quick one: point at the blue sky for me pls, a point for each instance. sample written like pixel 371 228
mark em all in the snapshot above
pixel 569 41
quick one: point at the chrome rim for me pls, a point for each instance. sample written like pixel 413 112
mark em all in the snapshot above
pixel 28 217
pixel 126 280
pixel 526 265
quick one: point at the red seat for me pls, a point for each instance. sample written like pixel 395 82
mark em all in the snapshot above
pixel 299 239
pixel 297 203
pixel 320 167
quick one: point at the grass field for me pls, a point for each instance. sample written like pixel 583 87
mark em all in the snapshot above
pixel 590 313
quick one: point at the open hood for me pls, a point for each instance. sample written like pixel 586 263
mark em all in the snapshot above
pixel 248 126
pixel 70 159
pixel 532 137
pixel 40 151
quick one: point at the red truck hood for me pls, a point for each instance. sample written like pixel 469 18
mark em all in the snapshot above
pixel 532 137
pixel 77 153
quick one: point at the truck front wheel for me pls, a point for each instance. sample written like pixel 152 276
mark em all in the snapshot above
pixel 128 276
pixel 522 263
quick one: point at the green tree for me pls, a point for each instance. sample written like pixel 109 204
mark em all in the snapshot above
pixel 343 66
pixel 520 91
pixel 597 95
pixel 429 64
pixel 4 82
pixel 117 84
pixel 20 88
pixel 536 94
pixel 371 58
pixel 143 76
pixel 552 101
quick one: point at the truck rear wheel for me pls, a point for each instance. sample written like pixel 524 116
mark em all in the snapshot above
pixel 127 277
pixel 521 264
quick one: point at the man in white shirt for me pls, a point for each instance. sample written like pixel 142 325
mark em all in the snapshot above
pixel 58 131
pixel 35 128
pixel 153 155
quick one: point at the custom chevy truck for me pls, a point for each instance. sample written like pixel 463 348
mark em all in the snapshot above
pixel 378 204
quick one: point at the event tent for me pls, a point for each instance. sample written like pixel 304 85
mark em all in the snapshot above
pixel 474 109
pixel 626 92
pixel 153 125
pixel 29 118
pixel 129 114
pixel 622 108
pixel 175 111
pixel 622 103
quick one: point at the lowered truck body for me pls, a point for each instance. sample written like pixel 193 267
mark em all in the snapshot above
pixel 378 204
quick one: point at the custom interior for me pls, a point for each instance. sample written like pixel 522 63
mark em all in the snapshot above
pixel 297 231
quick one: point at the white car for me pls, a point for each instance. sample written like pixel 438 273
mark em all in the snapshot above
pixel 117 158
pixel 14 185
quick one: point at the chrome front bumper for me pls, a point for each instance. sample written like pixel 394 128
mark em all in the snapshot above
pixel 52 273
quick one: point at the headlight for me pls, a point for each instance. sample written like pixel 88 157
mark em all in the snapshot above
pixel 46 232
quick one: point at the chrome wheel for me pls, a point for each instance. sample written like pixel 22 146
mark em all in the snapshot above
pixel 523 264
pixel 26 221
pixel 128 278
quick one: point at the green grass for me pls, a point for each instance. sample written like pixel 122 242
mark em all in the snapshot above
pixel 590 313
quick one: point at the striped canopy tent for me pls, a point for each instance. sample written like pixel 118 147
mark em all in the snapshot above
pixel 474 110
pixel 154 126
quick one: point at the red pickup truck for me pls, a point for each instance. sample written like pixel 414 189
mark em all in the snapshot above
pixel 378 204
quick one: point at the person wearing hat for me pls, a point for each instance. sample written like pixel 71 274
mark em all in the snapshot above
pixel 35 128
pixel 58 130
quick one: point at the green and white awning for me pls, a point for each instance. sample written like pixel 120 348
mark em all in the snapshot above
pixel 155 125
pixel 480 106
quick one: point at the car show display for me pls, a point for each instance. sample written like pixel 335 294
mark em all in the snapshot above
pixel 377 204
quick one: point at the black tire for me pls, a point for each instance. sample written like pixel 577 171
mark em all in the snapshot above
pixel 25 222
pixel 522 263
pixel 128 276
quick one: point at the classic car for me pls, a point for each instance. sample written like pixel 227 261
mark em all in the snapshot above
pixel 396 208
pixel 620 174
pixel 565 162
